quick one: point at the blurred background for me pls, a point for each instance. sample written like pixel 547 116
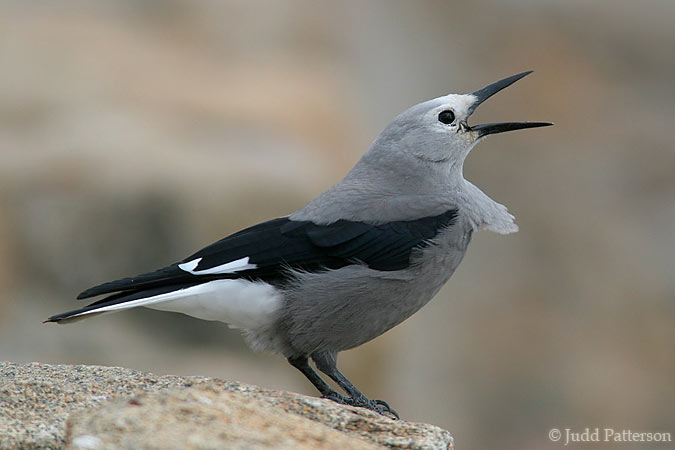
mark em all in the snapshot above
pixel 134 132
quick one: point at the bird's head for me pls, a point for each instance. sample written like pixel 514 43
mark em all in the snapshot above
pixel 437 131
pixel 414 167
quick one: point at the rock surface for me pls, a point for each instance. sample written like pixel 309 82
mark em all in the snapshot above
pixel 83 407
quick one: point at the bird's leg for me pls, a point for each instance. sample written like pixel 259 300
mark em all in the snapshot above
pixel 302 364
pixel 326 362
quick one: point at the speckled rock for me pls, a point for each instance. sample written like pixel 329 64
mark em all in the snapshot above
pixel 204 417
pixel 57 406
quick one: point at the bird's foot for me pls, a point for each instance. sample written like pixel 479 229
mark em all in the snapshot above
pixel 379 406
pixel 338 398
pixel 383 407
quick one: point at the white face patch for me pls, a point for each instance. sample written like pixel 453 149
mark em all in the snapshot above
pixel 230 267
pixel 459 103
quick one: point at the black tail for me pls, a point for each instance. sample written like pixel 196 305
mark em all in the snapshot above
pixel 167 276
pixel 116 299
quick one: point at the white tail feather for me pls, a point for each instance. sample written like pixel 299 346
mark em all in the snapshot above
pixel 239 303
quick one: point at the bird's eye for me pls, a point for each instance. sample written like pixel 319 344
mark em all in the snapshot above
pixel 447 117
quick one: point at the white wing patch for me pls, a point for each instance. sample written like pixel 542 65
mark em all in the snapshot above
pixel 239 303
pixel 230 267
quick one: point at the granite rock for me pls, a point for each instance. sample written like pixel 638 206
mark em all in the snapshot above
pixel 92 407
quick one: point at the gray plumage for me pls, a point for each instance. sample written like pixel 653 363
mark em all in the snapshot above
pixel 342 309
pixel 354 262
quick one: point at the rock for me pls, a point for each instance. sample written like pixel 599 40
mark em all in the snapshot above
pixel 35 399
pixel 91 407
pixel 201 417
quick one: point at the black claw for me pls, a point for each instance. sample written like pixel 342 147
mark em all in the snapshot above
pixel 385 406
pixel 379 406
pixel 382 403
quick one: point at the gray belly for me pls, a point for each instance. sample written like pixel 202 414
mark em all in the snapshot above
pixel 341 309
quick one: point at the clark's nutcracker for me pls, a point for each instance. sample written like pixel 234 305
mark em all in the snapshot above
pixel 354 262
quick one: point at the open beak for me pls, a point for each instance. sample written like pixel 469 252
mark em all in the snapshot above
pixel 487 92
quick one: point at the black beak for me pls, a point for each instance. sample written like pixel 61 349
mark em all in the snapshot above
pixel 492 128
pixel 490 90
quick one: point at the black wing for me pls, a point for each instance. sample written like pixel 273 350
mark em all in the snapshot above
pixel 272 247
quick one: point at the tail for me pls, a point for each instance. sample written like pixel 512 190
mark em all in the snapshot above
pixel 239 303
pixel 168 276
pixel 125 300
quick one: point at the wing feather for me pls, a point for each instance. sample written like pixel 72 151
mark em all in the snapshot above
pixel 273 246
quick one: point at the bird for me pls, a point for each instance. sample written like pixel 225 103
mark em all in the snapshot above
pixel 355 261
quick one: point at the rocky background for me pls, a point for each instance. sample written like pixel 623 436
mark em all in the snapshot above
pixel 134 132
